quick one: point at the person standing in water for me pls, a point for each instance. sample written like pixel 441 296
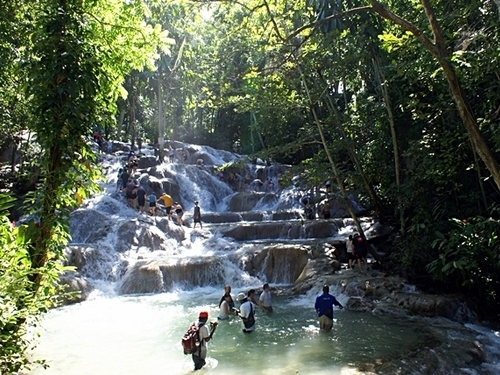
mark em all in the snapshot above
pixel 247 311
pixel 227 291
pixel 225 309
pixel 265 303
pixel 200 355
pixel 197 215
pixel 324 308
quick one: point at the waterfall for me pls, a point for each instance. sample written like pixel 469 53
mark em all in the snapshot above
pixel 151 278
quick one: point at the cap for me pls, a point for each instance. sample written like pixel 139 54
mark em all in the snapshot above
pixel 241 296
pixel 203 314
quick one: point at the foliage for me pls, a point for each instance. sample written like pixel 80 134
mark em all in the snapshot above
pixel 72 67
pixel 20 306
pixel 469 254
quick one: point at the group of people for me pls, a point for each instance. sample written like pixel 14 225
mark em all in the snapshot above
pixel 356 251
pixel 136 198
pixel 227 308
pixel 310 208
pixel 183 155
pixel 248 304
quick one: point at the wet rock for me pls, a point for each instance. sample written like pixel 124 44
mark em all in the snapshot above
pixel 358 304
pixel 101 262
pixel 221 217
pixel 161 275
pixel 87 226
pixel 320 228
pixel 244 201
pixel 143 277
pixel 147 162
pixel 75 287
pixel 386 295
pixel 136 233
pixel 75 256
pixel 170 229
pixel 282 263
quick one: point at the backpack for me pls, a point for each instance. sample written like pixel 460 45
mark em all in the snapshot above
pixel 191 339
pixel 250 321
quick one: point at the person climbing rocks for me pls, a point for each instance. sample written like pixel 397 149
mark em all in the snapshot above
pixel 152 204
pixel 197 215
pixel 124 178
pixel 131 193
pixel 167 202
pixel 324 308
pixel 178 211
pixel 360 251
pixel 141 198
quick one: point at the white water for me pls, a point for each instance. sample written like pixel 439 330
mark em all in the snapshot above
pixel 110 334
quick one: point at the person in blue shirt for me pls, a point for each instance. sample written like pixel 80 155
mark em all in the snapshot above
pixel 324 308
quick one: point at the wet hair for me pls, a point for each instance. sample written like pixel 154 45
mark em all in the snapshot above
pixel 326 289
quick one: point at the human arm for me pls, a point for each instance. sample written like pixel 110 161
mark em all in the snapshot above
pixel 338 304
pixel 213 327
pixel 244 311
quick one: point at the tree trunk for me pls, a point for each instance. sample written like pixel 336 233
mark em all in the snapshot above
pixel 354 157
pixel 336 172
pixel 439 51
pixel 161 120
pixel 397 168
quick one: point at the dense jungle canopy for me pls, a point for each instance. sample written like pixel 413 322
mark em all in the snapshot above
pixel 397 101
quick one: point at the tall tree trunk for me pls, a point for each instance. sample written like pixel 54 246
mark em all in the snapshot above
pixel 439 51
pixel 161 120
pixel 397 168
pixel 353 154
pixel 336 172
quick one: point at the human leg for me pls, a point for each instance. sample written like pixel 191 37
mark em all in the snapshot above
pixel 325 323
pixel 198 361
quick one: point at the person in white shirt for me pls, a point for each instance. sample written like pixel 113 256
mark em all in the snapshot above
pixel 247 311
pixel 225 307
pixel 204 336
pixel 265 303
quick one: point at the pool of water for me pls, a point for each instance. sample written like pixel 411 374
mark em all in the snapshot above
pixel 141 335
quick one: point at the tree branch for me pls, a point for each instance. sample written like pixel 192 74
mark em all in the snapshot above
pixel 385 13
pixel 328 19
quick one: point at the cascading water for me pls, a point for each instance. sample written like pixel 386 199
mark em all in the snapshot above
pixel 151 278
